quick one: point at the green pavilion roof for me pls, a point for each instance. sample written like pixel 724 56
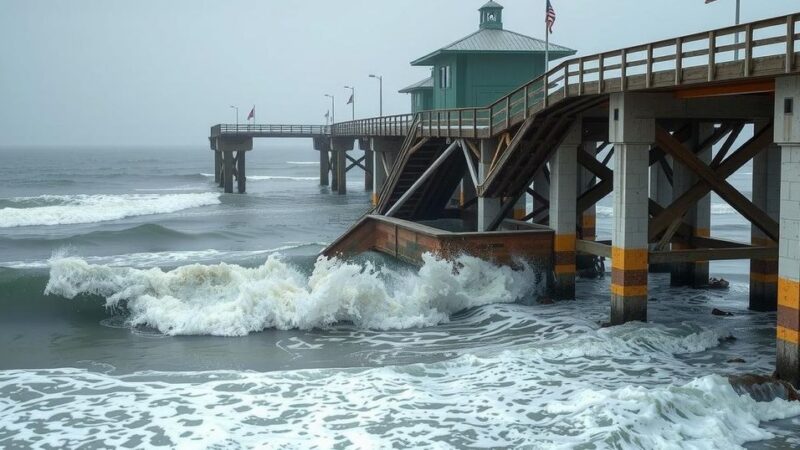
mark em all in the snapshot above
pixel 427 83
pixel 496 41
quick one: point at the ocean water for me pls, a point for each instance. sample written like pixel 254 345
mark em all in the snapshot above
pixel 140 307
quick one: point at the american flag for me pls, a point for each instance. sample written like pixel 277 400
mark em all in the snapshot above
pixel 550 20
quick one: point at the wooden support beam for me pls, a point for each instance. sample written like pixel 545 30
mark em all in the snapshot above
pixel 594 195
pixel 593 248
pixel 717 183
pixel 591 164
pixel 470 164
pixel 715 254
pixel 707 242
pixel 726 147
pixel 539 198
pixel 733 163
pixel 357 163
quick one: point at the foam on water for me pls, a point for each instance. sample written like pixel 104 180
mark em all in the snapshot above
pixel 270 177
pixel 74 209
pixel 160 259
pixel 230 300
pixel 515 398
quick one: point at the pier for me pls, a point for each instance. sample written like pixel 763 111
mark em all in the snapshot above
pixel 456 180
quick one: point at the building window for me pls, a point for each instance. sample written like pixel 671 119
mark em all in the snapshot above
pixel 444 77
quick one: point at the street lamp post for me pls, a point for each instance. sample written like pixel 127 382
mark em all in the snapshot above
pixel 352 99
pixel 333 108
pixel 237 116
pixel 380 81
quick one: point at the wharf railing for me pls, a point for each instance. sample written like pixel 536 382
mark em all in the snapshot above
pixel 256 130
pixel 765 48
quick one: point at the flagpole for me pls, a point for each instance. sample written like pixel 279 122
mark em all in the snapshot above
pixel 738 11
pixel 546 41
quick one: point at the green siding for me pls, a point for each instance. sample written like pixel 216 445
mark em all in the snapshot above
pixel 479 79
pixel 421 100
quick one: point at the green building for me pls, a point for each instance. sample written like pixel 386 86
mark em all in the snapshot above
pixel 482 67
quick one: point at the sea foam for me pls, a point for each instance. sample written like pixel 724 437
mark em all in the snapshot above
pixel 229 300
pixel 74 209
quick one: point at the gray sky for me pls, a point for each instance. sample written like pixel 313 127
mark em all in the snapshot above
pixel 156 72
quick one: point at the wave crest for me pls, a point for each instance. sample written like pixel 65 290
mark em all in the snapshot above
pixel 229 300
pixel 74 209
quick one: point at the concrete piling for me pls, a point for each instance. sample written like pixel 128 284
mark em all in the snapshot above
pixel 241 178
pixel 787 135
pixel 698 217
pixel 766 195
pixel 563 210
pixel 632 137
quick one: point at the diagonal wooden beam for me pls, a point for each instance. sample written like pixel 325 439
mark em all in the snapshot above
pixel 726 147
pixel 538 197
pixel 591 164
pixel 470 164
pixel 667 170
pixel 717 183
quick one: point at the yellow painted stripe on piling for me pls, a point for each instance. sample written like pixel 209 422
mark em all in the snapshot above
pixel 629 258
pixel 564 243
pixel 787 335
pixel 565 269
pixel 629 291
pixel 702 232
pixel 788 293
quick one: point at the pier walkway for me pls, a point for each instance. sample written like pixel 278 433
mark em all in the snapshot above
pixel 655 125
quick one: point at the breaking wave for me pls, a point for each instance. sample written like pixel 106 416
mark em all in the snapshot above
pixel 74 209
pixel 230 300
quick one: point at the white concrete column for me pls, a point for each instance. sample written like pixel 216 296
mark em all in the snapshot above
pixel 488 207
pixel 766 196
pixel 632 133
pixel 699 216
pixel 787 135
pixel 542 187
pixel 340 147
pixel 563 210
pixel 660 188
pixel 369 163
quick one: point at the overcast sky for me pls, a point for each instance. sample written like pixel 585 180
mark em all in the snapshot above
pixel 157 72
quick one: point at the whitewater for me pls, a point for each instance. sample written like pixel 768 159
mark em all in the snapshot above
pixel 74 209
pixel 146 310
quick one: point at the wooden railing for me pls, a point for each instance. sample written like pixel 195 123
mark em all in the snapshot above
pixel 398 125
pixel 267 130
pixel 768 48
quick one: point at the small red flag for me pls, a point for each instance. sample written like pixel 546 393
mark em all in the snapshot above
pixel 252 114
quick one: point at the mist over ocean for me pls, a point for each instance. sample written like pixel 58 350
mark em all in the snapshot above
pixel 141 307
